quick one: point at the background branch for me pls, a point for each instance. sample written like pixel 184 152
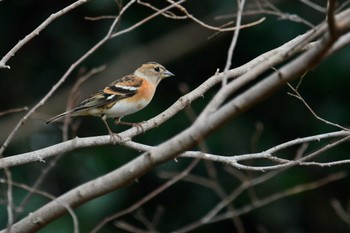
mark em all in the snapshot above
pixel 36 31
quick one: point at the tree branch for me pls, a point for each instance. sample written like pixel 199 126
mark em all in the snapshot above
pixel 36 32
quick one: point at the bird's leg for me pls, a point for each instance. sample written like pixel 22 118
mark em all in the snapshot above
pixel 114 137
pixel 118 121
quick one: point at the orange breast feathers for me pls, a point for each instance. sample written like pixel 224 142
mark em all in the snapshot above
pixel 145 92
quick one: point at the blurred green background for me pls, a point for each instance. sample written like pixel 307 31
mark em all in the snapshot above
pixel 189 51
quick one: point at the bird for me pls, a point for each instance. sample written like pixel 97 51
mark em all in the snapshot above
pixel 124 96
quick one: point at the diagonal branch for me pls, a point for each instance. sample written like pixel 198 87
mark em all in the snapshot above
pixel 36 32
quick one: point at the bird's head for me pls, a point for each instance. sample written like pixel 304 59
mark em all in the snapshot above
pixel 153 71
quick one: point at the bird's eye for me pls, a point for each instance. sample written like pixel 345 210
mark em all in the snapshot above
pixel 156 69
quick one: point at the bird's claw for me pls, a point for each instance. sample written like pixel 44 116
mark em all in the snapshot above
pixel 115 138
pixel 139 127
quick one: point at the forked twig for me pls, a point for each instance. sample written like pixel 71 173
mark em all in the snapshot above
pixel 297 95
pixel 147 197
pixel 47 195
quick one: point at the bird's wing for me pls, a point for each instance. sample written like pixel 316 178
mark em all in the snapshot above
pixel 120 89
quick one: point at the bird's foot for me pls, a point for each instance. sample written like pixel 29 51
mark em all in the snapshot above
pixel 139 127
pixel 115 138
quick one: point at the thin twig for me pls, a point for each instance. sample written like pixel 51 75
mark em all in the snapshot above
pixel 147 197
pixel 14 110
pixel 234 160
pixel 143 21
pixel 277 196
pixel 129 228
pixel 99 17
pixel 36 32
pixel 240 4
pixel 140 215
pixel 270 9
pixel 47 195
pixel 262 202
pixel 9 197
pixel 297 95
pixel 314 6
pixel 167 14
pixel 339 210
pixel 229 199
pixel 191 17
pixel 343 5
pixel 333 30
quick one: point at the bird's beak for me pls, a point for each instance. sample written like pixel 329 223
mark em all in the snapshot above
pixel 167 73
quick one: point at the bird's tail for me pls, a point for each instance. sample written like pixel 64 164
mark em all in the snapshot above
pixel 55 118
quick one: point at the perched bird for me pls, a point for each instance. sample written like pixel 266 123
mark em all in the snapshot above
pixel 122 97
